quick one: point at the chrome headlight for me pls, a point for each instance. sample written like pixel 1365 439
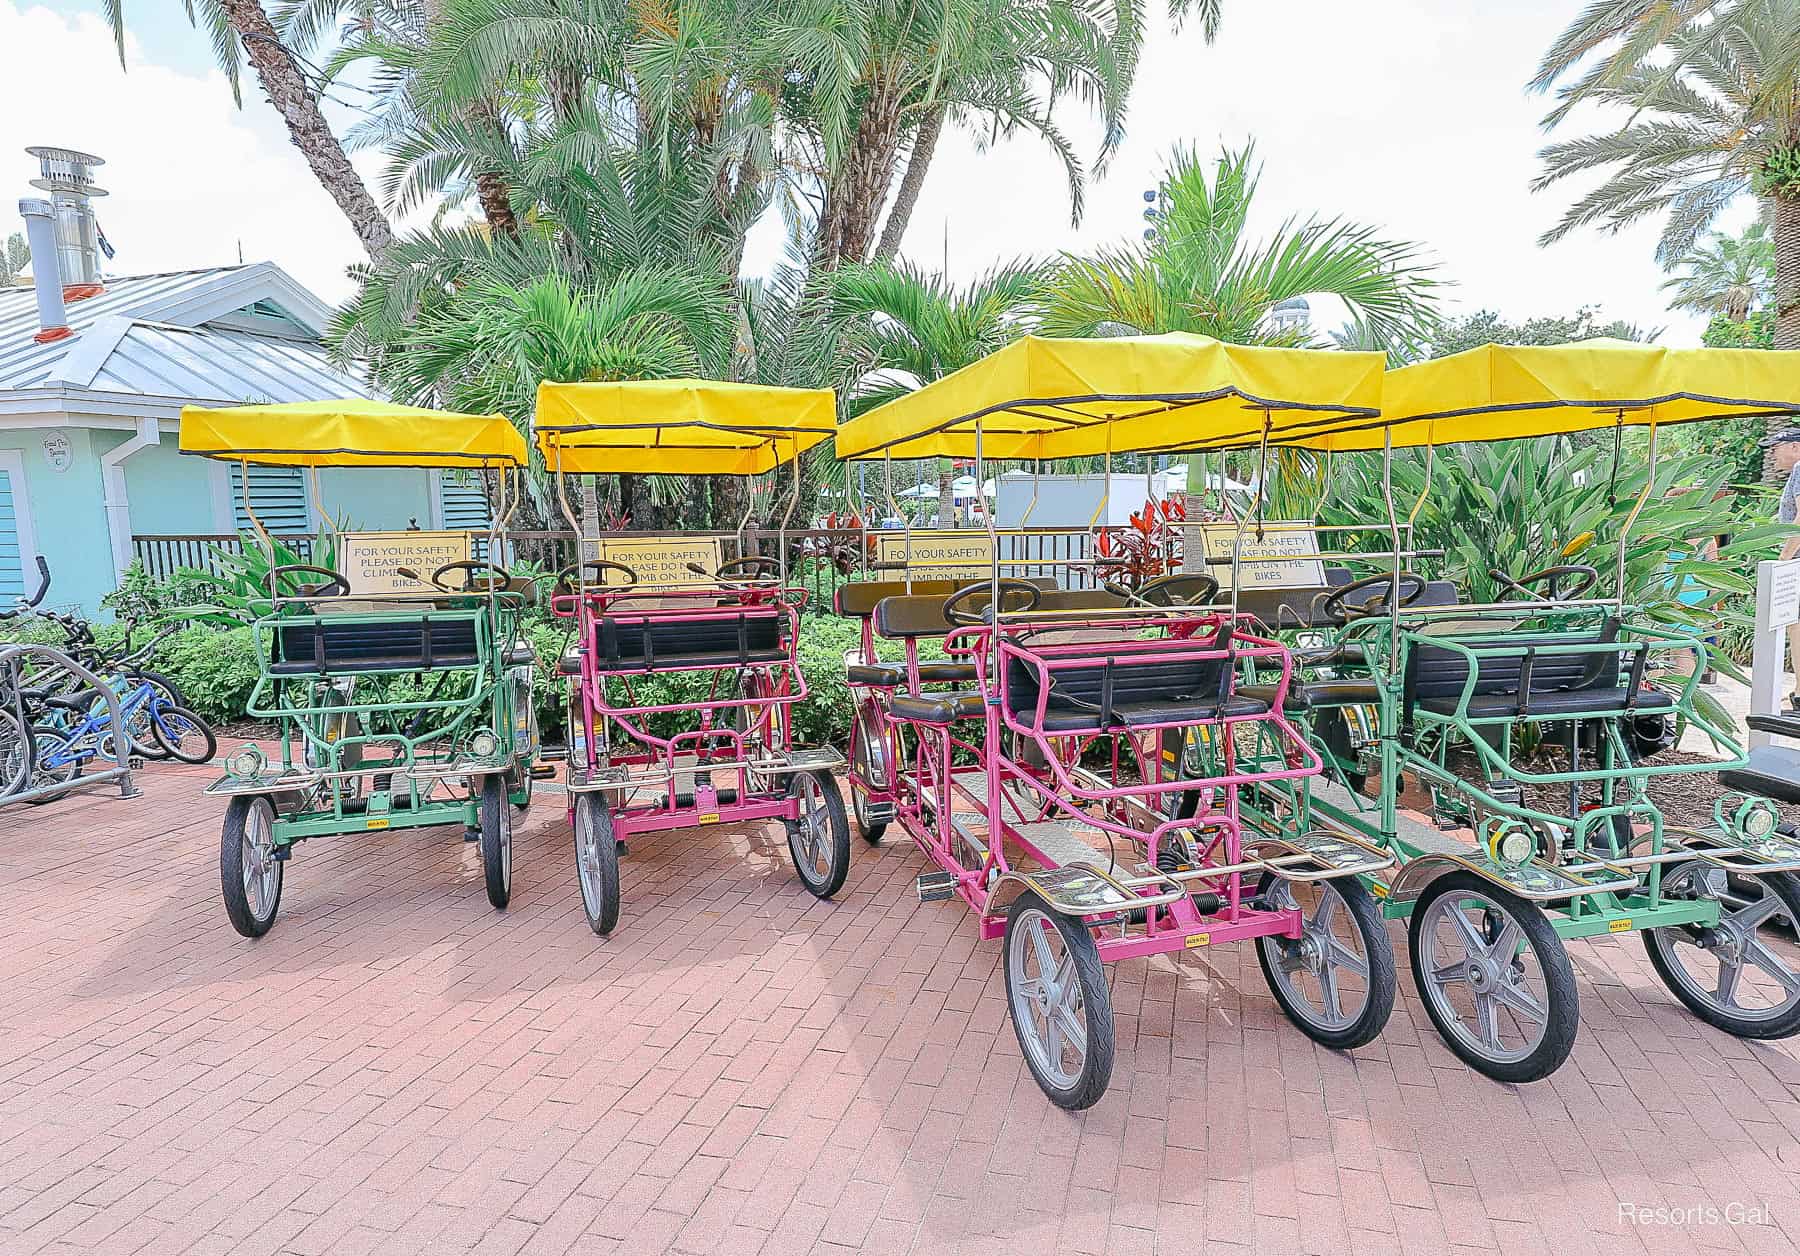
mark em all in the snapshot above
pixel 1757 819
pixel 1511 844
pixel 247 763
pixel 484 745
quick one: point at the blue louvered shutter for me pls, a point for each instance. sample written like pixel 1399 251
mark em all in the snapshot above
pixel 12 565
pixel 278 495
pixel 465 501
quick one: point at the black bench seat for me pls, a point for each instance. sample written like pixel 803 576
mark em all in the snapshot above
pixel 721 639
pixel 328 645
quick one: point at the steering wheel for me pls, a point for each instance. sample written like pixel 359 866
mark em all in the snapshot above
pixel 1181 589
pixel 1336 606
pixel 1580 574
pixel 470 565
pixel 953 605
pixel 753 567
pixel 568 576
pixel 334 586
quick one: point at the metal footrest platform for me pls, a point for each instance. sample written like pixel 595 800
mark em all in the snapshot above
pixel 820 759
pixel 1775 853
pixel 581 781
pixel 1059 842
pixel 266 783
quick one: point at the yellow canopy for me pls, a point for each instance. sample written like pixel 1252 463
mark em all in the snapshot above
pixel 1041 397
pixel 1499 392
pixel 679 426
pixel 350 433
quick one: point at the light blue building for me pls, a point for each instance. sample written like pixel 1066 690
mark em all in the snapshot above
pixel 94 371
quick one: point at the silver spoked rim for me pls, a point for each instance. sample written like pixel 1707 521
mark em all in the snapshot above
pixel 1748 966
pixel 587 859
pixel 260 867
pixel 1483 977
pixel 810 836
pixel 1047 1002
pixel 1324 973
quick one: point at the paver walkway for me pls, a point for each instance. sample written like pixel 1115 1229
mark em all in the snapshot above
pixel 398 1068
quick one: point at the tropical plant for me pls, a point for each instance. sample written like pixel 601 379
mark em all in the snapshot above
pixel 14 258
pixel 1202 272
pixel 1728 275
pixel 1714 116
pixel 239 29
pixel 1485 327
pixel 237 583
pixel 903 328
pixel 1518 506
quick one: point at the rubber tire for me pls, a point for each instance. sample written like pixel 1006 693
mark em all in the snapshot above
pixel 1096 999
pixel 170 694
pixel 1553 962
pixel 496 839
pixel 591 810
pixel 186 756
pixel 838 826
pixel 24 736
pixel 231 869
pixel 1384 977
pixel 41 734
pixel 521 809
pixel 870 833
pixel 1787 888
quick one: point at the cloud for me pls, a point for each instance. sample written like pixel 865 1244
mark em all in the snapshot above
pixel 190 176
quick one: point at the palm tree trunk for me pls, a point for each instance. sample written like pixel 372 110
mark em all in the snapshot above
pixel 947 494
pixel 1787 300
pixel 907 198
pixel 288 90
pixel 860 186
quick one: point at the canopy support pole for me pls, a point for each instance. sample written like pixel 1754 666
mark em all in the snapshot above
pixel 255 523
pixel 1631 519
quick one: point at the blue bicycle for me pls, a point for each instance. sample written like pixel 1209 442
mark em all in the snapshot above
pixel 78 729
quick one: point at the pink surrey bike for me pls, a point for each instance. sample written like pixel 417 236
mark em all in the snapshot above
pixel 638 765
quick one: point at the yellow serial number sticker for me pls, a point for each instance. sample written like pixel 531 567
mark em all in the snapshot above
pixel 709 817
pixel 1378 890
pixel 1198 939
pixel 380 822
pixel 1619 926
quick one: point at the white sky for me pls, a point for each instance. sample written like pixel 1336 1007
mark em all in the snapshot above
pixel 1409 114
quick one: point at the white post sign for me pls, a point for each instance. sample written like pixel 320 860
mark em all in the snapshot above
pixel 1777 606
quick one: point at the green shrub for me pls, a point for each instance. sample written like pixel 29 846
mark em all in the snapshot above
pixel 214 668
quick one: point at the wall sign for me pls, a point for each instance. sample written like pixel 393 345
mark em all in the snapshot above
pixel 1293 546
pixel 57 451
pixel 939 555
pixel 661 560
pixel 371 561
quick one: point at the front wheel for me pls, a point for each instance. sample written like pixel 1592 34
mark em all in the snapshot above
pixel 249 872
pixel 56 761
pixel 496 839
pixel 597 862
pixel 819 836
pixel 184 735
pixel 1741 975
pixel 1495 978
pixel 1336 980
pixel 1061 1008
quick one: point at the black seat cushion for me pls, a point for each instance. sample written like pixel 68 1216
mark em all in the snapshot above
pixel 1555 702
pixel 1773 772
pixel 330 644
pixel 937 671
pixel 936 708
pixel 1131 687
pixel 721 639
pixel 1317 693
pixel 1435 675
pixel 521 654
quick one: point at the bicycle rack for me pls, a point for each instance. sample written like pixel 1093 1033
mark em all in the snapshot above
pixel 121 771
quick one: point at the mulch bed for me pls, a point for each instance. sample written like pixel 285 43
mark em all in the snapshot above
pixel 1685 799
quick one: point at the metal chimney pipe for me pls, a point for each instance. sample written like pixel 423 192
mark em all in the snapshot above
pixel 46 273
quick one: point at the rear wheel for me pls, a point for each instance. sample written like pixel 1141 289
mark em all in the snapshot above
pixel 1495 978
pixel 249 872
pixel 870 755
pixel 54 762
pixel 496 839
pixel 597 862
pixel 1336 980
pixel 184 735
pixel 1741 975
pixel 18 755
pixel 819 836
pixel 1061 1008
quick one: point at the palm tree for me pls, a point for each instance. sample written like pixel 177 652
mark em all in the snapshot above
pixel 1201 272
pixel 1726 275
pixel 903 328
pixel 14 258
pixel 1633 29
pixel 1724 122
pixel 240 29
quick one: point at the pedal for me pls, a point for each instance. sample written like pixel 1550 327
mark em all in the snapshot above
pixel 1506 793
pixel 552 754
pixel 935 887
pixel 543 771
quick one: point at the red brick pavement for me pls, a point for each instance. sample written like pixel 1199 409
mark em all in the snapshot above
pixel 398 1068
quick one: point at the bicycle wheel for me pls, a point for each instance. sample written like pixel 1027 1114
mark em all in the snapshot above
pixel 56 760
pixel 16 754
pixel 184 735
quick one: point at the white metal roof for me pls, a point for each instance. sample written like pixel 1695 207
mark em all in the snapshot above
pixel 231 334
